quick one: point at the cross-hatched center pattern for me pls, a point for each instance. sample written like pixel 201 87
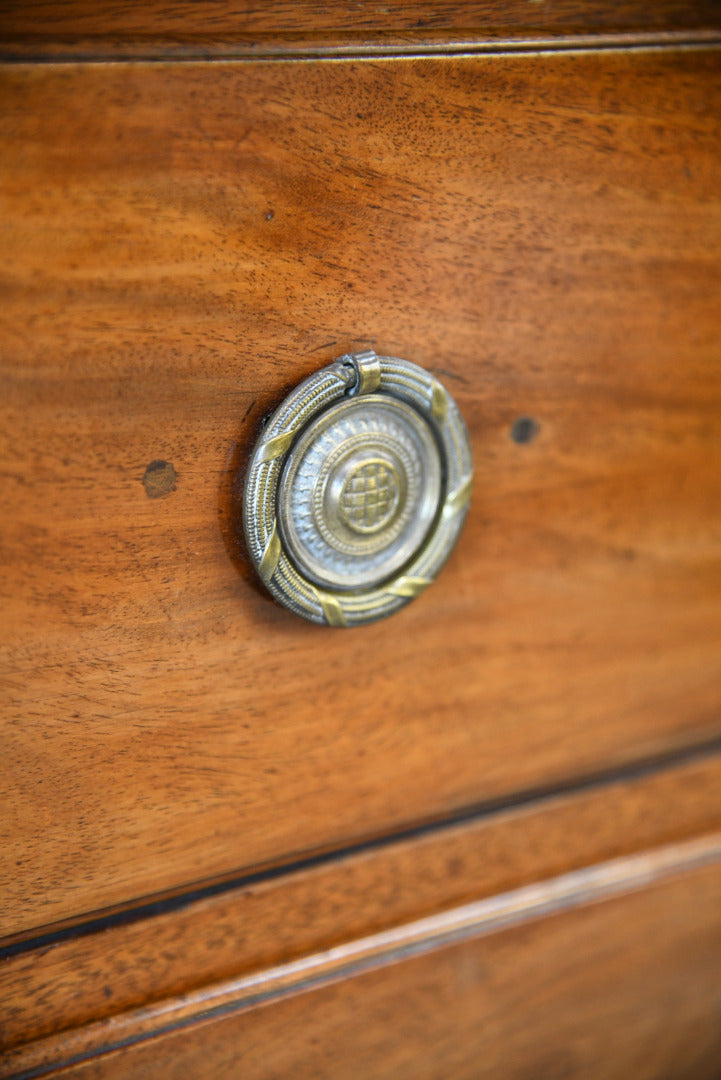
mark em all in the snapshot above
pixel 370 496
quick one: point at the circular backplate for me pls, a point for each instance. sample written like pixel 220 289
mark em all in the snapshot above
pixel 357 490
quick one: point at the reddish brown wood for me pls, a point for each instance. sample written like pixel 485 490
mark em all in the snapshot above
pixel 568 979
pixel 72 983
pixel 48 22
pixel 180 245
pixel 41 31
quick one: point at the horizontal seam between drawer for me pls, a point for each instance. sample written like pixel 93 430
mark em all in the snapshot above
pixel 146 908
pixel 284 52
pixel 566 892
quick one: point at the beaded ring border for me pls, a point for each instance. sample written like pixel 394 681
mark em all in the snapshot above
pixel 354 375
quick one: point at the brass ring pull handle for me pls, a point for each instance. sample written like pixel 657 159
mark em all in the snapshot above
pixel 357 490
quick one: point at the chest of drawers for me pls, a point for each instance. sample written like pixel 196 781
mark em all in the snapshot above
pixel 235 840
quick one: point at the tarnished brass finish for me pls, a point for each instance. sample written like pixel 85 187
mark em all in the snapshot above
pixel 357 490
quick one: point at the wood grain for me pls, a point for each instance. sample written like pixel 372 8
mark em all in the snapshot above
pixel 66 984
pixel 182 243
pixel 45 22
pixel 569 978
pixel 41 31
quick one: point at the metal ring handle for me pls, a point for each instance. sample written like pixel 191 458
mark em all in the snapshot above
pixel 357 490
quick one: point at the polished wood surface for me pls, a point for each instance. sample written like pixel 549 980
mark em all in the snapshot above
pixel 600 974
pixel 104 22
pixel 39 31
pixel 484 838
pixel 273 919
pixel 182 243
pixel 126 973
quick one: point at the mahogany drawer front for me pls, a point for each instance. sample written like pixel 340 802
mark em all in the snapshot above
pixel 591 982
pixel 645 1001
pixel 182 243
pixel 148 982
pixel 46 29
